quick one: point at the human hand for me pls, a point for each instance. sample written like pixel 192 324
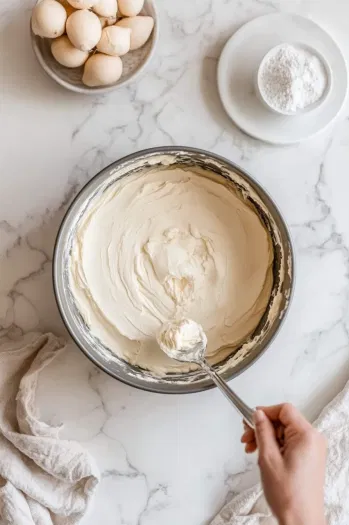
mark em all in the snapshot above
pixel 293 476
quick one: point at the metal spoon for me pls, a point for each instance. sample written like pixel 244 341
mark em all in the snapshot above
pixel 196 354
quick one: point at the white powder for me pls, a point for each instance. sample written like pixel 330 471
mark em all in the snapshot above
pixel 292 78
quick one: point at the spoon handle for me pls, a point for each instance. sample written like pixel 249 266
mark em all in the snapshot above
pixel 244 410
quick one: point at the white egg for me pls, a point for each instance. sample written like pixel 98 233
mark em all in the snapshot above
pixel 130 7
pixel 115 41
pixel 106 8
pixel 102 70
pixel 107 21
pixel 82 4
pixel 141 28
pixel 84 29
pixel 66 54
pixel 48 19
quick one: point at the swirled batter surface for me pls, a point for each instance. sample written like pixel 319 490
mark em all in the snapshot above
pixel 170 244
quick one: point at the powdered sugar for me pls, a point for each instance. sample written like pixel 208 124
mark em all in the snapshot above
pixel 292 78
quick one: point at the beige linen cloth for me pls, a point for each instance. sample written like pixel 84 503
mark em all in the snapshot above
pixel 48 481
pixel 250 507
pixel 43 480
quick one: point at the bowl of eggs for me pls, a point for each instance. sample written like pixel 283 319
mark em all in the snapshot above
pixel 94 46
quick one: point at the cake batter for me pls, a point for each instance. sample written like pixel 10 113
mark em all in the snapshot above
pixel 169 244
pixel 182 338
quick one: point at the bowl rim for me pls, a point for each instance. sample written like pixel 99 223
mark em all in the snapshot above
pixel 207 383
pixel 312 107
pixel 85 90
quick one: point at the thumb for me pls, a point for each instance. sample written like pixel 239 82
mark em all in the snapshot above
pixel 265 436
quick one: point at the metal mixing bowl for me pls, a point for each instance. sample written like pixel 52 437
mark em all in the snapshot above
pixel 240 358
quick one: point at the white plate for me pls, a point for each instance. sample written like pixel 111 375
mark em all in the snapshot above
pixel 239 63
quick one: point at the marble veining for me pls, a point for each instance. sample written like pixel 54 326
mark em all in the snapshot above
pixel 173 459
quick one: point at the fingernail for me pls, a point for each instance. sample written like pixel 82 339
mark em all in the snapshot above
pixel 258 416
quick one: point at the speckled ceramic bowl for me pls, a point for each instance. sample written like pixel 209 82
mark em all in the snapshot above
pixel 240 358
pixel 133 62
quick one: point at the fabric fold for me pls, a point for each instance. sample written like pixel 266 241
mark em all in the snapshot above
pixel 250 507
pixel 43 480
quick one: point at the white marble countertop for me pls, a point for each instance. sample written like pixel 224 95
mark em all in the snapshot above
pixel 169 458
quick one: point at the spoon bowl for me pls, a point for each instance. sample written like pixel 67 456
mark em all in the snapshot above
pixel 195 355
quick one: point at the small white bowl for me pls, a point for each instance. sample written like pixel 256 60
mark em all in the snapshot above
pixel 312 107
pixel 71 78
